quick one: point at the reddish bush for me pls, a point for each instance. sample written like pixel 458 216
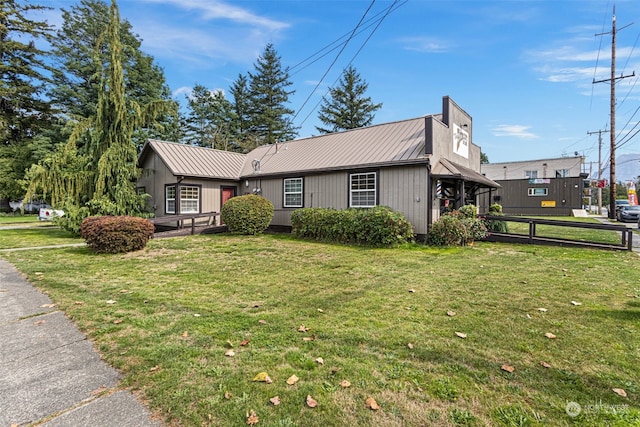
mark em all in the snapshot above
pixel 116 234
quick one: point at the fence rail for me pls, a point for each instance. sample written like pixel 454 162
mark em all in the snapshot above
pixel 534 237
pixel 182 218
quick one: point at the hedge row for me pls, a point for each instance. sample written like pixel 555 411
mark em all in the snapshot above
pixel 116 234
pixel 378 226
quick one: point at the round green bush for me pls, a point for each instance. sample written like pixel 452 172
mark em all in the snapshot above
pixel 249 214
pixel 447 231
pixel 116 234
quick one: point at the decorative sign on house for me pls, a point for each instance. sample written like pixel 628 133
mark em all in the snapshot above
pixel 460 141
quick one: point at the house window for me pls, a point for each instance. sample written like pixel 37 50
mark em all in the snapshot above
pixel 293 192
pixel 189 199
pixel 562 173
pixel 531 174
pixel 170 199
pixel 538 192
pixel 362 192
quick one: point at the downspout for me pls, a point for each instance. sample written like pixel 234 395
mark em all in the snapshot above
pixel 429 198
pixel 178 194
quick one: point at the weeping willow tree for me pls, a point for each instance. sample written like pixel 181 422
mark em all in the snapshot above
pixel 100 178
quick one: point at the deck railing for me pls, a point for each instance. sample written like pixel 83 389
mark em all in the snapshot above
pixel 535 237
pixel 182 218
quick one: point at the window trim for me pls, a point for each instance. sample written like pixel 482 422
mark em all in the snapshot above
pixel 285 192
pixel 531 191
pixel 374 190
pixel 180 200
pixel 529 175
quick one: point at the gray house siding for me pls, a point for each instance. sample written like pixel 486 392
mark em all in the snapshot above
pixel 401 188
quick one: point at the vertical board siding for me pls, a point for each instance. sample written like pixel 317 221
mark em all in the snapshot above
pixel 405 190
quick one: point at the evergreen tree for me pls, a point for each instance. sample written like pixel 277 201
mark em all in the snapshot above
pixel 348 108
pixel 208 123
pixel 270 117
pixel 101 179
pixel 76 78
pixel 241 106
pixel 23 112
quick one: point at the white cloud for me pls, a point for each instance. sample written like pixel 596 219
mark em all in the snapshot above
pixel 514 131
pixel 425 44
pixel 213 10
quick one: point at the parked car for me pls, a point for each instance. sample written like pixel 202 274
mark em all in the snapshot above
pixel 629 213
pixel 620 203
pixel 47 214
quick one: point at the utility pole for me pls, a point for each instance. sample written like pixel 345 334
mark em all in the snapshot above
pixel 599 132
pixel 612 80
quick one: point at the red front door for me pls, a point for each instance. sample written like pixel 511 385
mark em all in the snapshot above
pixel 227 193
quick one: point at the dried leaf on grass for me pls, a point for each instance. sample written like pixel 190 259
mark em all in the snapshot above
pixel 345 384
pixel 303 328
pixel 262 322
pixel 320 361
pixel 451 313
pixel 117 321
pixel 263 377
pixel 292 379
pixel 542 310
pixel 550 335
pixel 155 368
pixel 311 338
pixel 576 303
pixel 275 401
pixel 245 342
pixel 461 334
pixel 311 402
pixel 410 346
pixel 372 404
pixel 110 302
pixel 227 395
pixel 508 368
pixel 252 418
pixel 620 392
pixel 230 353
pixel 545 365
pixel 185 334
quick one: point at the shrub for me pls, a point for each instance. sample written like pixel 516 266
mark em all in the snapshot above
pixel 249 214
pixel 378 226
pixel 459 227
pixel 447 231
pixel 493 224
pixel 116 234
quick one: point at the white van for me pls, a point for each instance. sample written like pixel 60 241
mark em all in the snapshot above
pixel 47 214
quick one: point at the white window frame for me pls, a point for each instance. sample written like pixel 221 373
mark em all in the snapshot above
pixel 369 177
pixel 533 192
pixel 296 193
pixel 532 174
pixel 189 204
pixel 185 201
pixel 168 201
pixel 562 173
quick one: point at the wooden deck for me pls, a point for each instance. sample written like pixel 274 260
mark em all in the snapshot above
pixel 186 224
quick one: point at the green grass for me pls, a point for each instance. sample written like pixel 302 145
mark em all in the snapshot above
pixel 166 315
pixel 41 234
pixel 18 219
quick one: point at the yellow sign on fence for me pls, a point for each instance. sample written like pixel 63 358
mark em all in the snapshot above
pixel 548 204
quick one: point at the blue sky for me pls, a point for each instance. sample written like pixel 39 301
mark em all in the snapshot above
pixel 523 70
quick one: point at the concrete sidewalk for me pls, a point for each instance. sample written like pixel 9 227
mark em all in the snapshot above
pixel 50 374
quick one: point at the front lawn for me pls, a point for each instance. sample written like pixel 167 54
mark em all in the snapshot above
pixel 494 334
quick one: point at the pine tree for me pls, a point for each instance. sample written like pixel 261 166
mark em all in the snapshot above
pixel 270 117
pixel 24 114
pixel 100 179
pixel 208 123
pixel 347 108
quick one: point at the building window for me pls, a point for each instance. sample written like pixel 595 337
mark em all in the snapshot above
pixel 170 199
pixel 141 191
pixel 189 199
pixel 531 174
pixel 362 192
pixel 538 192
pixel 293 188
pixel 562 173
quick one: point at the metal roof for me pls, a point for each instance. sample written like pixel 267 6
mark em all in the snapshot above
pixel 448 169
pixel 401 142
pixel 194 161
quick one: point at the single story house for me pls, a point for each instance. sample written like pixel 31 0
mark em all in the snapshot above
pixel 416 166
pixel 553 186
